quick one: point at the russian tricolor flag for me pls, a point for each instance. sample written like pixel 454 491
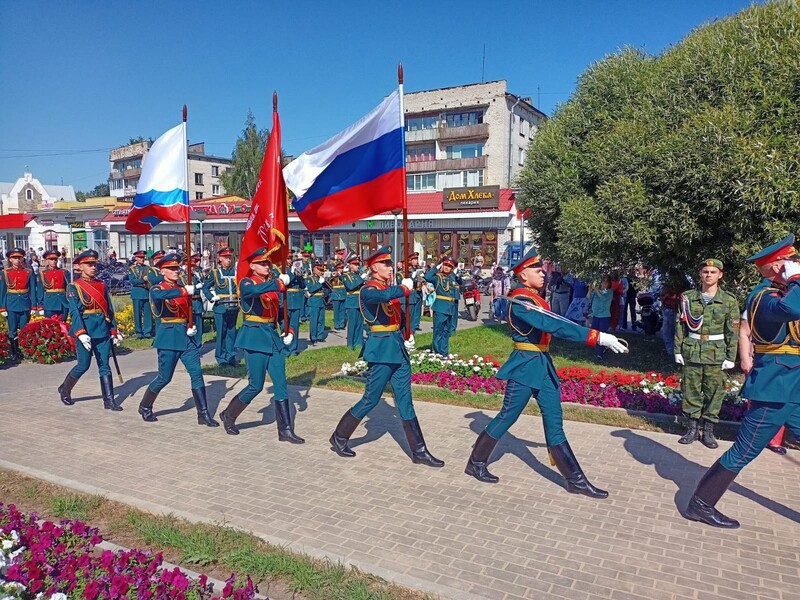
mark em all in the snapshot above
pixel 356 174
pixel 162 193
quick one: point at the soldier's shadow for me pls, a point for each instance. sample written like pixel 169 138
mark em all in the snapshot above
pixel 215 391
pixel 383 419
pixel 511 444
pixel 685 474
pixel 267 411
pixel 131 386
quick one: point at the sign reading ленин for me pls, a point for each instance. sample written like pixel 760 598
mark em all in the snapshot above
pixel 471 197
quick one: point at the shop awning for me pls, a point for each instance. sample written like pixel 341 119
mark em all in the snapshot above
pixel 18 221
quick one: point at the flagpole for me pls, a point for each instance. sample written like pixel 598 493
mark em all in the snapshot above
pixel 286 231
pixel 406 253
pixel 189 274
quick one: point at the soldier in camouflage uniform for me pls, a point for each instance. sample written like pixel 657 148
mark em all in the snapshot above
pixel 706 343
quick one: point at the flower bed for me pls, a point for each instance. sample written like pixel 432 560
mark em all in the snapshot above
pixel 649 392
pixel 60 561
pixel 5 348
pixel 46 341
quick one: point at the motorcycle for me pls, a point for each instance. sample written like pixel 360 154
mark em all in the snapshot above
pixel 651 319
pixel 472 298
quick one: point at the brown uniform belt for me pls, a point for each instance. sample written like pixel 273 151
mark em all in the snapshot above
pixel 776 349
pixel 531 347
pixel 255 319
pixel 381 328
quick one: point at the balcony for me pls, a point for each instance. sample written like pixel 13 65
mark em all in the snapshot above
pixel 446 164
pixel 422 135
pixel 126 173
pixel 481 130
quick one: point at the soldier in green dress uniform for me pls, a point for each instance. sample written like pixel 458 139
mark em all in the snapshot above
pixel 295 299
pixel 264 348
pixel 387 355
pixel 415 297
pixel 338 296
pixel 51 288
pixel 773 313
pixel 308 268
pixel 95 327
pixel 221 288
pixel 140 296
pixel 529 371
pixel 706 343
pixel 197 281
pixel 175 340
pixel 316 304
pixel 154 277
pixel 17 296
pixel 445 307
pixel 353 280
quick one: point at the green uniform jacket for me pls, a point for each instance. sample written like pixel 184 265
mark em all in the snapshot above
pixel 222 282
pixel 257 302
pixel 51 289
pixel 720 317
pixel 87 316
pixel 352 283
pixel 12 282
pixel 447 291
pixel 140 283
pixel 317 291
pixel 154 276
pixel 295 293
pixel 338 291
pixel 197 298
pixel 169 335
pixel 375 301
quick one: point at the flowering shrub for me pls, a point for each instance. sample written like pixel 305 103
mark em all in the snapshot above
pixel 125 323
pixel 5 351
pixel 427 361
pixel 60 561
pixel 46 341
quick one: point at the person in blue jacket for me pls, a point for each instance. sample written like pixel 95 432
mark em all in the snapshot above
pixel 316 304
pixel 264 348
pixel 445 308
pixel 353 280
pixel 529 371
pixel 386 352
pixel 175 340
pixel 773 313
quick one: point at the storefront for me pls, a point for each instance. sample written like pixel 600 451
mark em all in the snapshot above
pixel 461 222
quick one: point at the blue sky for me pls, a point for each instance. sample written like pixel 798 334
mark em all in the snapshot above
pixel 81 77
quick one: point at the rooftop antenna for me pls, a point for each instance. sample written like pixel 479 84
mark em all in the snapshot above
pixel 483 64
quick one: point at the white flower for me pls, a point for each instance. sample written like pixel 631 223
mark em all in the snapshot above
pixel 476 369
pixel 603 385
pixel 59 596
pixel 480 359
pixel 346 368
pixel 8 544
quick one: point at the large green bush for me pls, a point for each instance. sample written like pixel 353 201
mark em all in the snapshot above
pixel 669 159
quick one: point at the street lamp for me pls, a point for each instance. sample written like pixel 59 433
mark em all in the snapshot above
pixel 396 213
pixel 200 216
pixel 70 219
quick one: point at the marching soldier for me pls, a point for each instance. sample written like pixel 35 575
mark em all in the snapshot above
pixel 17 297
pixel 445 307
pixel 387 355
pixel 308 268
pixel 338 295
pixel 51 288
pixel 221 289
pixel 352 284
pixel 295 298
pixel 773 312
pixel 264 348
pixel 140 296
pixel 275 273
pixel 706 342
pixel 175 340
pixel 154 277
pixel 197 298
pixel 529 371
pixel 316 304
pixel 95 327
pixel 415 297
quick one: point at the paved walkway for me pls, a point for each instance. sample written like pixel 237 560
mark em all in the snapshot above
pixel 437 530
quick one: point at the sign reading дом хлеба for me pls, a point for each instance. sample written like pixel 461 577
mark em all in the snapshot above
pixel 471 197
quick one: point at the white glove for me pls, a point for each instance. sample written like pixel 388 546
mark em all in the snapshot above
pixel 679 359
pixel 4 313
pixel 115 340
pixel 612 343
pixel 407 283
pixel 364 276
pixel 189 289
pixel 33 311
pixel 191 331
pixel 409 343
pixel 214 297
pixel 287 339
pixel 321 280
pixel 727 364
pixel 790 269
pixel 86 341
pixel 41 313
pixel 284 278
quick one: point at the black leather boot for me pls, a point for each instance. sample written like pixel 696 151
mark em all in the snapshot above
pixel 341 435
pixel 230 414
pixel 568 466
pixel 692 434
pixel 146 405
pixel 707 438
pixel 710 489
pixel 419 452
pixel 479 459
pixel 15 354
pixel 201 404
pixel 65 390
pixel 107 388
pixel 283 417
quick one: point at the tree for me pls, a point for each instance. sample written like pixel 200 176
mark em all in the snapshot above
pixel 667 160
pixel 100 190
pixel 241 178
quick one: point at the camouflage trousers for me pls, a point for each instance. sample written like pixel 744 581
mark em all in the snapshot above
pixel 703 388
